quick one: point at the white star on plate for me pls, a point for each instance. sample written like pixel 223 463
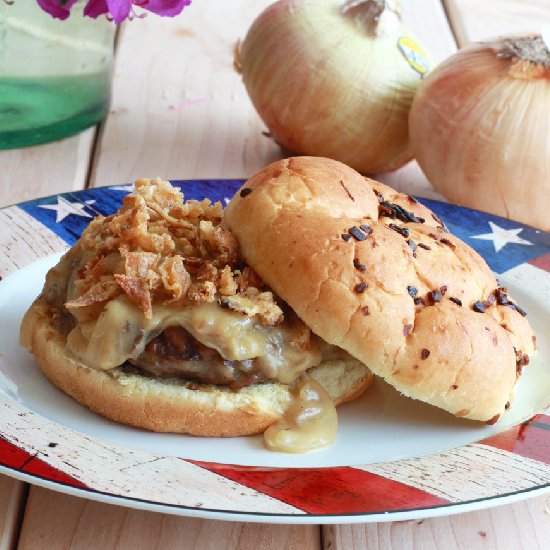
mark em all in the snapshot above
pixel 126 188
pixel 501 237
pixel 64 208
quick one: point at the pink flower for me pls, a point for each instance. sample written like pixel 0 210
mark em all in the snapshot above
pixel 60 9
pixel 166 8
pixel 118 9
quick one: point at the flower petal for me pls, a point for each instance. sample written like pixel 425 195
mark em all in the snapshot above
pixel 95 8
pixel 167 8
pixel 119 9
pixel 55 9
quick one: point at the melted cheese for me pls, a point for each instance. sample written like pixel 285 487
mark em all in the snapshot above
pixel 309 423
pixel 233 335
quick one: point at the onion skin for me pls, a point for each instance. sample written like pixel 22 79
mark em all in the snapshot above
pixel 480 130
pixel 325 87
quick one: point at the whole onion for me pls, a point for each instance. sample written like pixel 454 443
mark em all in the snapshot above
pixel 480 128
pixel 335 79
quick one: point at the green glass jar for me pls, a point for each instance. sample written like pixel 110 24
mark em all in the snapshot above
pixel 55 76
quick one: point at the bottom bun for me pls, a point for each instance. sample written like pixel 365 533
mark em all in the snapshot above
pixel 172 405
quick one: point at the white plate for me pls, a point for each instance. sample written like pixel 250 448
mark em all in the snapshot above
pixel 394 458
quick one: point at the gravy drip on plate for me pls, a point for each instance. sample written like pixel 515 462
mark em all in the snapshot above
pixel 310 422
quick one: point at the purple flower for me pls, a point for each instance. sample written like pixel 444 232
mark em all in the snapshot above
pixel 60 9
pixel 167 8
pixel 118 9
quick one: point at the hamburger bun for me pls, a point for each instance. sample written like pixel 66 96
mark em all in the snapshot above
pixel 376 273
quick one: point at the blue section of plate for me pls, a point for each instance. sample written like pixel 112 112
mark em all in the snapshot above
pixel 469 225
pixel 503 243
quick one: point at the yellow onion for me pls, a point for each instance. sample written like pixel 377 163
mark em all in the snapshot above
pixel 336 79
pixel 480 128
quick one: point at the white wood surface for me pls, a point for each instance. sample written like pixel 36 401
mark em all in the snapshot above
pixel 428 21
pixel 521 526
pixel 180 111
pixel 474 20
pixel 56 521
pixel 45 169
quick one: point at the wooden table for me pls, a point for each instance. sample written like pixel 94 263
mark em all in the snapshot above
pixel 181 111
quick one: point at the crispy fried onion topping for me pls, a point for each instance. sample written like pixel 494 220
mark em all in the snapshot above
pixel 159 248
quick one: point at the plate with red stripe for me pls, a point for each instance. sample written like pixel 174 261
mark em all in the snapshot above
pixel 394 458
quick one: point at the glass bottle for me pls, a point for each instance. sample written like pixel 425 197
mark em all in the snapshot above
pixel 55 76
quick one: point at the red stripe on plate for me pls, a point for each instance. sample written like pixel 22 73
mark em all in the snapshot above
pixel 12 456
pixel 19 459
pixel 530 439
pixel 328 490
pixel 542 262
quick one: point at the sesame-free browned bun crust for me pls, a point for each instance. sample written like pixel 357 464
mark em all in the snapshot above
pixel 169 405
pixel 356 289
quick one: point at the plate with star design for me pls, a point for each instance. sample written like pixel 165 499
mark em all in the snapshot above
pixel 393 459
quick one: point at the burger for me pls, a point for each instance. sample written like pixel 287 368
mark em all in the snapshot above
pixel 153 319
pixel 177 316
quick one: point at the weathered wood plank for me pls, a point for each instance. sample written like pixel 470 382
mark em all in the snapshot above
pixel 521 525
pixel 54 520
pixel 427 19
pixel 12 501
pixel 473 20
pixel 45 169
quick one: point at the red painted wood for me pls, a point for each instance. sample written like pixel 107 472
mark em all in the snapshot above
pixel 329 490
pixel 12 456
pixel 528 439
pixel 22 461
pixel 542 262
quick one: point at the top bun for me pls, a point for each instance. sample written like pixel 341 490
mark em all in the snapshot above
pixel 376 273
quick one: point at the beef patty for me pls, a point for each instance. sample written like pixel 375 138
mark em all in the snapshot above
pixel 177 354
